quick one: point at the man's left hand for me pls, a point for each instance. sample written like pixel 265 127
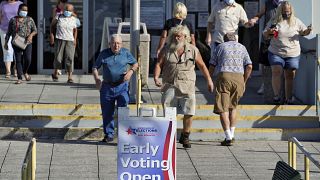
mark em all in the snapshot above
pixel 128 75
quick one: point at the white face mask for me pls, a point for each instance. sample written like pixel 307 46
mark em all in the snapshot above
pixel 229 2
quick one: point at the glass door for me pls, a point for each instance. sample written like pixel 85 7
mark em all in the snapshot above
pixel 45 51
pixel 98 12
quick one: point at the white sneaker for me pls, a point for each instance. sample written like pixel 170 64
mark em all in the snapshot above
pixel 59 72
pixel 261 89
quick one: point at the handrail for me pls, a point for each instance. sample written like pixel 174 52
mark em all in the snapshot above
pixel 28 170
pixel 292 156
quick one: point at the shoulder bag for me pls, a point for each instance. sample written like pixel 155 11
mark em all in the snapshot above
pixel 18 40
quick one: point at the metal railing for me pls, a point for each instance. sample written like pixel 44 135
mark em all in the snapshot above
pixel 28 170
pixel 293 143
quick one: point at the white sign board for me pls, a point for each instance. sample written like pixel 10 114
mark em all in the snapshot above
pixel 146 146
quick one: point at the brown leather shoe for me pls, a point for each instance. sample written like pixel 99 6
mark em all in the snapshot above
pixel 184 140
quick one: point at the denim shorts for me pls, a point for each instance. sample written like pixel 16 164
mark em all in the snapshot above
pixel 286 63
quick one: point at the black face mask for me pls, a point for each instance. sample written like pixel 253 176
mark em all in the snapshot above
pixel 286 16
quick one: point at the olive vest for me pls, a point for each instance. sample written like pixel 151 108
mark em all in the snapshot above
pixel 179 72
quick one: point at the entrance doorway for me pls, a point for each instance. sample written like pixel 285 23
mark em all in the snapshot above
pixel 45 52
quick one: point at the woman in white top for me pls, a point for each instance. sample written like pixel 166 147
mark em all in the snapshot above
pixel 284 30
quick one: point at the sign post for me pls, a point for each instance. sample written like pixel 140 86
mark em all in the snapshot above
pixel 147 145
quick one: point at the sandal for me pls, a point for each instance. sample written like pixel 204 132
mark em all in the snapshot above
pixel 19 81
pixel 54 77
pixel 28 77
pixel 8 75
pixel 70 81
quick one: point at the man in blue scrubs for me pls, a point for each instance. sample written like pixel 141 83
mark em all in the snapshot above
pixel 116 76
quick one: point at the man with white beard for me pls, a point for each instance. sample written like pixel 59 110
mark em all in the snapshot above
pixel 177 62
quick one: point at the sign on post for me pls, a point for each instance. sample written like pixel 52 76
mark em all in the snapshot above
pixel 146 146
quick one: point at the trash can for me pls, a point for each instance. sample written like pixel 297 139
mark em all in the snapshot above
pixel 144 47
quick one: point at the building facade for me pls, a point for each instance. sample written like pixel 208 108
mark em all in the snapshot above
pixel 92 14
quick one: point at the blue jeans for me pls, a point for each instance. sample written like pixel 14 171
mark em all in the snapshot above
pixel 108 96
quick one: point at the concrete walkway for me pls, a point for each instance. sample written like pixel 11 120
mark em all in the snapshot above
pixel 42 90
pixel 204 161
pixel 94 160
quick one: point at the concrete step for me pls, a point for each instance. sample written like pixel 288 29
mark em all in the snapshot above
pixel 94 109
pixel 83 121
pixel 201 122
pixel 303 134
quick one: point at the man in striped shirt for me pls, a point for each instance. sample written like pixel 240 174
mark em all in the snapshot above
pixel 233 65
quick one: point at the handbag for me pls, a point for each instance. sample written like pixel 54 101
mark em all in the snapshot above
pixel 18 40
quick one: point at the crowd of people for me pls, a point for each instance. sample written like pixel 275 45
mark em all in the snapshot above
pixel 177 57
pixel 17 30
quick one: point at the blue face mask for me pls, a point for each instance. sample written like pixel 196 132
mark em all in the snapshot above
pixel 229 2
pixel 67 13
pixel 23 13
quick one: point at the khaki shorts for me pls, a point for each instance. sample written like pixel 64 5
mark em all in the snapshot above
pixel 185 104
pixel 229 89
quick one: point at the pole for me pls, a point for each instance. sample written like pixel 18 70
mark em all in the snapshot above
pixel 33 159
pixel 134 43
pixel 139 82
pixel 306 168
pixel 317 69
pixel 290 152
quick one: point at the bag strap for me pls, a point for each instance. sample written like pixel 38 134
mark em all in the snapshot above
pixel 17 25
pixel 181 22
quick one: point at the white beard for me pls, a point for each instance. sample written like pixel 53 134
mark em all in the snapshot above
pixel 176 45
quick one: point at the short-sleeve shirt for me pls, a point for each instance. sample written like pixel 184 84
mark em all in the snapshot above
pixel 226 19
pixel 231 57
pixel 23 28
pixel 170 23
pixel 8 11
pixel 287 43
pixel 179 71
pixel 65 26
pixel 114 65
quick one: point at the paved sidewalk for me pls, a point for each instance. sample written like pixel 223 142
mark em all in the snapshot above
pixel 204 161
pixel 94 160
pixel 42 90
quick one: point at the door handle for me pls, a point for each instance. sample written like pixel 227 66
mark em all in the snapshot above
pixel 44 25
